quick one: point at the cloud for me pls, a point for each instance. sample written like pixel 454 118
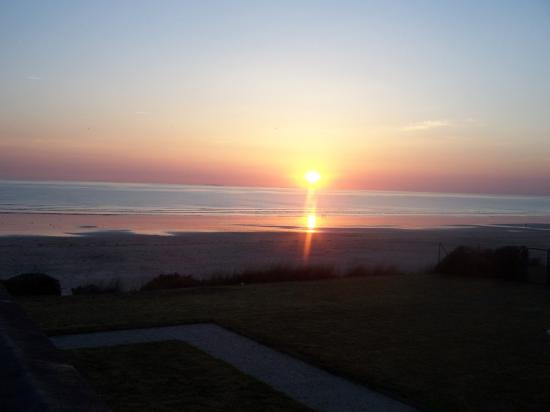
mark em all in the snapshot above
pixel 33 77
pixel 426 125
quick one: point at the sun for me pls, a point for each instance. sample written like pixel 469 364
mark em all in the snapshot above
pixel 312 177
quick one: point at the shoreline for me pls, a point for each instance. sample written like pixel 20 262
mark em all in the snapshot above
pixel 134 258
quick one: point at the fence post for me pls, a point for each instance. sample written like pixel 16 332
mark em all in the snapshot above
pixel 548 266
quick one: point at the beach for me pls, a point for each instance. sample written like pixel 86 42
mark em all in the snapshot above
pixel 96 233
pixel 133 259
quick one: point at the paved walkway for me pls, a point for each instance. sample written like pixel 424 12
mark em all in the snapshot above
pixel 307 384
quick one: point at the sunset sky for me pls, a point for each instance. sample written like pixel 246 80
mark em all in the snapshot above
pixel 449 96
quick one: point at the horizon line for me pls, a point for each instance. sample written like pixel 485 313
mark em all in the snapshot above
pixel 125 182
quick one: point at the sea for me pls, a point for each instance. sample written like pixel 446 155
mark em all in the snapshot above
pixel 69 208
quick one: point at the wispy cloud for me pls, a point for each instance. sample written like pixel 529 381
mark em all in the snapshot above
pixel 33 77
pixel 425 125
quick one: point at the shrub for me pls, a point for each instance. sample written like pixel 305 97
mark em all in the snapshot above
pixel 512 262
pixel 286 273
pixel 92 289
pixel 279 273
pixel 466 261
pixel 509 262
pixel 171 281
pixel 29 284
pixel 364 271
pixel 535 262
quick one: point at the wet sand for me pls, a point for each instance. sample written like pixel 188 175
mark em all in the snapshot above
pixel 135 258
pixel 59 224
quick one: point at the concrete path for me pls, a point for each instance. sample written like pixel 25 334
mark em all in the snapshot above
pixel 307 384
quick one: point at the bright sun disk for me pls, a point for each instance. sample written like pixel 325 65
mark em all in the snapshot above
pixel 312 177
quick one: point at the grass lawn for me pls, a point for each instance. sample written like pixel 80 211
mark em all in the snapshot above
pixel 172 376
pixel 447 344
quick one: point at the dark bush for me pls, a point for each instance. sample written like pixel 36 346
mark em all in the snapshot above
pixel 29 284
pixel 286 273
pixel 364 271
pixel 171 281
pixel 509 262
pixel 91 289
pixel 466 261
pixel 535 262
pixel 280 273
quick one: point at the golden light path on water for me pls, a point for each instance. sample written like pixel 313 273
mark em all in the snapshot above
pixel 310 207
pixel 311 222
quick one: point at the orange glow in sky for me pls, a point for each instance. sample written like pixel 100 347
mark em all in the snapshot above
pixel 162 94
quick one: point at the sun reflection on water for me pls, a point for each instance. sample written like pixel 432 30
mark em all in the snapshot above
pixel 311 222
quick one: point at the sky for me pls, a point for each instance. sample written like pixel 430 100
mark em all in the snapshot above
pixel 445 96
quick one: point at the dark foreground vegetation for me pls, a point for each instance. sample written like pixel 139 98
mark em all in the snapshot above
pixel 32 284
pixel 509 262
pixel 173 376
pixel 446 343
pixel 113 286
pixel 35 284
pixel 270 275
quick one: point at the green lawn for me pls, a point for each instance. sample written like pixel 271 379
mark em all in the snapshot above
pixel 447 344
pixel 173 376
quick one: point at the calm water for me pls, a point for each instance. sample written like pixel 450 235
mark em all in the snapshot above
pixel 257 206
pixel 123 198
